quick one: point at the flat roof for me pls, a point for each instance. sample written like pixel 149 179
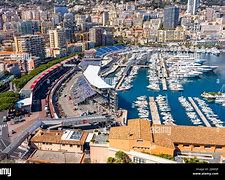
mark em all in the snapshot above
pixel 41 156
pixel 89 137
pixel 60 137
pixel 24 102
pixel 91 74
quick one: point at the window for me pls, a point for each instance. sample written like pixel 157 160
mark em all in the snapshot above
pixel 140 140
pixel 78 146
pixel 186 145
pixel 196 146
pixel 138 160
pixel 71 145
pixel 63 144
pixel 207 147
pixel 218 147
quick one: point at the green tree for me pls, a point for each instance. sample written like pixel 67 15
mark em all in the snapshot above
pixel 120 157
pixel 111 160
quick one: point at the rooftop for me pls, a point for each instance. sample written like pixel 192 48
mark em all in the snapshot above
pixel 101 138
pixel 91 74
pixel 60 137
pixel 167 136
pixel 41 156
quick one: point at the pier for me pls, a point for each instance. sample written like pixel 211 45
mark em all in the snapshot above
pixel 120 82
pixel 199 112
pixel 154 111
pixel 164 84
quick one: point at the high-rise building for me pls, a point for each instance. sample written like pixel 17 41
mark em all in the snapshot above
pixel 57 38
pixel 95 35
pixel 193 6
pixel 1 22
pixel 105 18
pixel 210 14
pixel 29 27
pixel 171 17
pixel 32 44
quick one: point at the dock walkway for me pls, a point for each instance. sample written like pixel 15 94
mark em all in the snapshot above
pixel 154 111
pixel 199 112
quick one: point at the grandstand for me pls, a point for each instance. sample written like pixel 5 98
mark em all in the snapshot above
pixel 82 90
pixel 100 52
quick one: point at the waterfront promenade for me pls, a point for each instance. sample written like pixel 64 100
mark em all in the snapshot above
pixel 154 111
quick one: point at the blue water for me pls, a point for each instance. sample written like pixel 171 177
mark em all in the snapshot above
pixel 212 81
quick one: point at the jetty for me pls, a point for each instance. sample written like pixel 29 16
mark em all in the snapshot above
pixel 201 115
pixel 164 85
pixel 154 111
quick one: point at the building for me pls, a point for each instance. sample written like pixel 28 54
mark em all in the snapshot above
pixel 25 61
pixel 192 6
pixel 32 44
pixel 105 18
pixel 176 35
pixel 55 146
pixel 29 27
pixel 56 140
pixel 57 38
pixel 141 136
pixel 95 35
pixel 171 17
pixel 210 14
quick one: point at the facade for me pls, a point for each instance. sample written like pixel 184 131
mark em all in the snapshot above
pixel 105 18
pixel 57 38
pixel 171 17
pixel 177 35
pixel 193 6
pixel 32 44
pixel 95 35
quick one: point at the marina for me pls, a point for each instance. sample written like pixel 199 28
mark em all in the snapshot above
pixel 147 82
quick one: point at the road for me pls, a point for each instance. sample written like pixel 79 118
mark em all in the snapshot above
pixel 4 138
pixel 66 104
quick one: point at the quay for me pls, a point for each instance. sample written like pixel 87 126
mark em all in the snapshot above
pixel 199 112
pixel 154 111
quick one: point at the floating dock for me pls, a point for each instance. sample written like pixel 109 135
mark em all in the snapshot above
pixel 199 112
pixel 154 111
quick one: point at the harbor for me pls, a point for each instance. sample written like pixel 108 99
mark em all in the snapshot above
pixel 150 83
